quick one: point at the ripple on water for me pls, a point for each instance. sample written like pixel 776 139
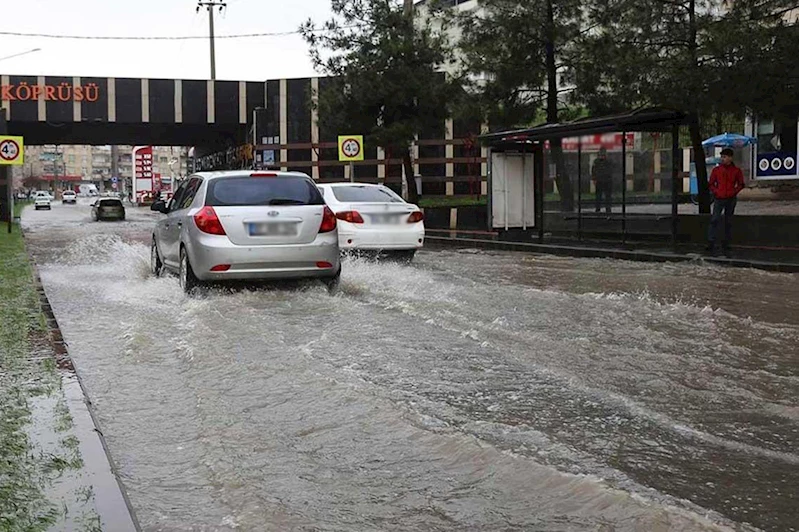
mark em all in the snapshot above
pixel 420 397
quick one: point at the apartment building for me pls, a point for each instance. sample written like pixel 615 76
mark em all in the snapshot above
pixel 51 166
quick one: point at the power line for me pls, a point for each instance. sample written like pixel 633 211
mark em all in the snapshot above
pixel 158 38
pixel 20 53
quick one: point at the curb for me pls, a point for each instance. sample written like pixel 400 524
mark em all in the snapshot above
pixel 594 252
pixel 111 499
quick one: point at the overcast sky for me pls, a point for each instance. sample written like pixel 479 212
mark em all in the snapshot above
pixel 255 59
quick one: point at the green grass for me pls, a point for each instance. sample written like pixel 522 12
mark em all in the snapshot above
pixel 22 472
pixel 451 201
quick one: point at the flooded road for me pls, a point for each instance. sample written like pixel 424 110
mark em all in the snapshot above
pixel 470 390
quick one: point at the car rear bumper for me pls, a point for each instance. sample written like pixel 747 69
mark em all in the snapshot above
pixel 380 238
pixel 296 261
pixel 111 215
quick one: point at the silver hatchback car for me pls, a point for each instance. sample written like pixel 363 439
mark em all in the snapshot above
pixel 246 225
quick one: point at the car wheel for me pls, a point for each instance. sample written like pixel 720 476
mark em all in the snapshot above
pixel 188 281
pixel 333 283
pixel 156 266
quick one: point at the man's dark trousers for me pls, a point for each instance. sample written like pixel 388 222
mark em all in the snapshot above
pixel 727 206
pixel 604 188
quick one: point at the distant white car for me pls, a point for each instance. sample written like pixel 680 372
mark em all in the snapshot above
pixel 373 217
pixel 69 196
pixel 41 200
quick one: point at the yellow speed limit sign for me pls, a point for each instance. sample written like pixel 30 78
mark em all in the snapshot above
pixel 350 148
pixel 12 150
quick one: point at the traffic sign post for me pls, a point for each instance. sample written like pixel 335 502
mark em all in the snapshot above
pixel 12 150
pixel 350 149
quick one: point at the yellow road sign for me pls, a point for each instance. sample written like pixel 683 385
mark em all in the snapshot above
pixel 12 150
pixel 350 148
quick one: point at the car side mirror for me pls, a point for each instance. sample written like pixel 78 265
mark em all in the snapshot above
pixel 159 206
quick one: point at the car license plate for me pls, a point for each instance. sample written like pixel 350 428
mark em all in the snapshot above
pixel 273 229
pixel 385 218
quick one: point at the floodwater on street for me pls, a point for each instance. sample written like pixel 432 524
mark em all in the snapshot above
pixel 470 390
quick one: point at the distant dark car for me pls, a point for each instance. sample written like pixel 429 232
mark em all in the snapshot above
pixel 108 209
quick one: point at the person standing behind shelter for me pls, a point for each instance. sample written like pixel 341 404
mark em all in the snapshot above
pixel 602 174
pixel 726 181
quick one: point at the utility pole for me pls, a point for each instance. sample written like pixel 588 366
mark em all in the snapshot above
pixel 210 5
pixel 55 170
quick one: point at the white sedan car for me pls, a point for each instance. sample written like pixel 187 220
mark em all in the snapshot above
pixel 41 200
pixel 373 217
pixel 69 196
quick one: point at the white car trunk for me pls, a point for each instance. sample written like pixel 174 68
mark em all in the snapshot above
pixel 380 213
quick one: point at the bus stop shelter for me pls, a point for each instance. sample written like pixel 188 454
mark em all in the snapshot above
pixel 516 169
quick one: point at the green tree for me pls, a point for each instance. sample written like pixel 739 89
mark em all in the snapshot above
pixel 755 72
pixel 518 54
pixel 385 78
pixel 698 56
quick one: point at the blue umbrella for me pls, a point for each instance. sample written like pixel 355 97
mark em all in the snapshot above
pixel 729 140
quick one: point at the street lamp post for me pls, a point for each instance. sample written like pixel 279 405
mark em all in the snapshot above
pixel 21 53
pixel 5 172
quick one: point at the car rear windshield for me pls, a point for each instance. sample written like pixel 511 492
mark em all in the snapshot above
pixel 356 194
pixel 246 191
pixel 110 203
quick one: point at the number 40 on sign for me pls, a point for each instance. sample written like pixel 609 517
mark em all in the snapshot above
pixel 12 150
pixel 350 148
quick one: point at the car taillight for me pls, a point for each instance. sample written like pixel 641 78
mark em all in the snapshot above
pixel 415 217
pixel 328 221
pixel 263 174
pixel 208 222
pixel 353 217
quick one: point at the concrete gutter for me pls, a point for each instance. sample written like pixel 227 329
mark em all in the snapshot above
pixel 110 498
pixel 602 252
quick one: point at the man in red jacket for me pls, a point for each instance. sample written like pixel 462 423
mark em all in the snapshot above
pixel 726 181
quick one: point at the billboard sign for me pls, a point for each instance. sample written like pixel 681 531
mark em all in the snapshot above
pixel 591 143
pixel 776 150
pixel 142 172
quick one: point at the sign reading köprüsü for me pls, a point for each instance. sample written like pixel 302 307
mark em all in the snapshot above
pixel 63 92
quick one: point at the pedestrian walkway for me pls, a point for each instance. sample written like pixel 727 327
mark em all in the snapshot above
pixel 781 259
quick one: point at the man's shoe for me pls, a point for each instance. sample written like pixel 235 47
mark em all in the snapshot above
pixel 710 249
pixel 726 251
